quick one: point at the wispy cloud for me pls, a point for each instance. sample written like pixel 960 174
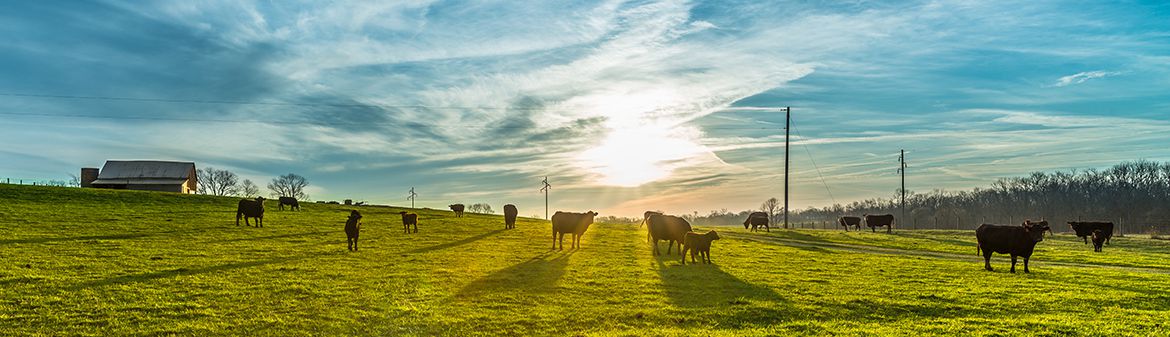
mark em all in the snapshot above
pixel 1082 77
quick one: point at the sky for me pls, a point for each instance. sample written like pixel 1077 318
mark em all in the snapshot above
pixel 625 106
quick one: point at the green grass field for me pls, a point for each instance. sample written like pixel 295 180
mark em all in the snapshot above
pixel 95 262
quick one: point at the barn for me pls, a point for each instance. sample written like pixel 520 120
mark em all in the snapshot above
pixel 143 175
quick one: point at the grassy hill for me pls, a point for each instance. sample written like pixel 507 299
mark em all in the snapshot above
pixel 97 262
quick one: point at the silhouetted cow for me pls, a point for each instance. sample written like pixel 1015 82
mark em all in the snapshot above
pixel 671 228
pixel 1008 239
pixel 875 221
pixel 646 217
pixel 510 213
pixel 700 244
pixel 353 226
pixel 409 219
pixel 1084 229
pixel 757 220
pixel 847 221
pixel 1099 238
pixel 251 209
pixel 291 202
pixel 458 209
pixel 573 223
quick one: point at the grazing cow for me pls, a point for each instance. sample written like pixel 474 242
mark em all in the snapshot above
pixel 1008 239
pixel 698 243
pixel 353 225
pixel 645 217
pixel 1099 238
pixel 291 202
pixel 1085 229
pixel 409 219
pixel 510 216
pixel 671 228
pixel 458 209
pixel 875 221
pixel 847 221
pixel 757 220
pixel 251 209
pixel 573 223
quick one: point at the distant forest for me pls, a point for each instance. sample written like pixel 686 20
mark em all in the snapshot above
pixel 1135 195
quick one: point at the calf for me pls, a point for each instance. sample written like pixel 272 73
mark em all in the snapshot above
pixel 667 227
pixel 1099 238
pixel 698 244
pixel 1007 239
pixel 572 223
pixel 353 225
pixel 847 221
pixel 409 219
pixel 291 202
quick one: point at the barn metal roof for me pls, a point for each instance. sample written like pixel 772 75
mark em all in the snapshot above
pixel 140 169
pixel 137 181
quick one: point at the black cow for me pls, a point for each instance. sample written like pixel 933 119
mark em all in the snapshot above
pixel 291 202
pixel 1008 239
pixel 251 209
pixel 671 228
pixel 757 220
pixel 510 213
pixel 875 221
pixel 1084 229
pixel 409 219
pixel 573 223
pixel 458 209
pixel 847 221
pixel 353 226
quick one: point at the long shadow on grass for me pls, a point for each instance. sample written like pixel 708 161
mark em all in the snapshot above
pixel 537 275
pixel 290 235
pixel 150 276
pixel 453 244
pixel 707 292
pixel 73 238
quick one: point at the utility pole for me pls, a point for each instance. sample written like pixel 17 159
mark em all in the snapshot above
pixel 411 197
pixel 545 189
pixel 787 127
pixel 902 170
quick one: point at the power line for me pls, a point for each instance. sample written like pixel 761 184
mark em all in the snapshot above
pixel 814 163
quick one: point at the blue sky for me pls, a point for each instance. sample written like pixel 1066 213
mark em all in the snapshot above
pixel 624 105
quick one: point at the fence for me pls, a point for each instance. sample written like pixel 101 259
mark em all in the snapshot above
pixel 38 182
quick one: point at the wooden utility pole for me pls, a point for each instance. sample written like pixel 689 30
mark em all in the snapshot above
pixel 545 189
pixel 787 126
pixel 411 197
pixel 902 170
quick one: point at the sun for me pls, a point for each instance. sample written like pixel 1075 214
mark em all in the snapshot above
pixel 631 157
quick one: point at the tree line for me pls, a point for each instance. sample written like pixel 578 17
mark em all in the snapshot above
pixel 1134 194
pixel 219 182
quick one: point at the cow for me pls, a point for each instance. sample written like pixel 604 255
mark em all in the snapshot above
pixel 875 221
pixel 1099 238
pixel 1007 239
pixel 573 223
pixel 353 225
pixel 1084 229
pixel 510 216
pixel 645 217
pixel 409 219
pixel 458 209
pixel 700 244
pixel 757 220
pixel 251 209
pixel 671 228
pixel 847 221
pixel 291 202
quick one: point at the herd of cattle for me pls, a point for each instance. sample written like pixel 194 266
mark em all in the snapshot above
pixel 1017 241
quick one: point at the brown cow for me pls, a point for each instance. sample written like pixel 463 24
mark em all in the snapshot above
pixel 353 225
pixel 757 220
pixel 847 221
pixel 510 213
pixel 572 223
pixel 409 219
pixel 646 217
pixel 667 227
pixel 700 244
pixel 458 209
pixel 1007 239
pixel 875 221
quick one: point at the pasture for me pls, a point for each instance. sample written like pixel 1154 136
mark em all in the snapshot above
pixel 99 262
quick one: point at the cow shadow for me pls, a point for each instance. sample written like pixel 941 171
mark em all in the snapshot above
pixel 169 273
pixel 537 275
pixel 713 293
pixel 73 238
pixel 454 244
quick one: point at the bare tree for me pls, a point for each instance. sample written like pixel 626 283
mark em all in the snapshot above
pixel 249 189
pixel 481 208
pixel 217 182
pixel 770 206
pixel 289 185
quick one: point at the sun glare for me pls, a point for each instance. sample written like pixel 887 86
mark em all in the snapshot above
pixel 635 156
